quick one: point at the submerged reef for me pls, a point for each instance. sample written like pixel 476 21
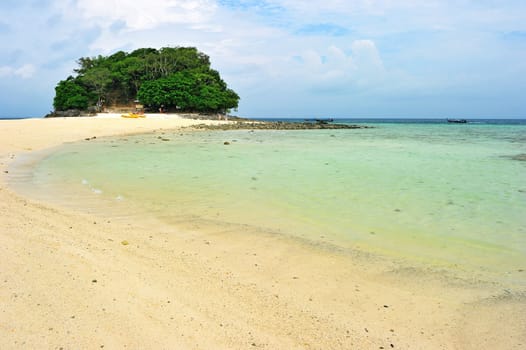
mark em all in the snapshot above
pixel 278 125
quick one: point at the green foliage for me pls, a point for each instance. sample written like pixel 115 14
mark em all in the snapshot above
pixel 189 90
pixel 70 94
pixel 97 79
pixel 178 78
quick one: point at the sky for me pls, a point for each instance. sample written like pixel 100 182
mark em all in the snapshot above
pixel 288 58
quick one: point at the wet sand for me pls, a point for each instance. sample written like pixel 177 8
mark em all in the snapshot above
pixel 69 279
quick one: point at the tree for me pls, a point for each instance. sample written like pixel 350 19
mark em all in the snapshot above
pixel 193 91
pixel 177 77
pixel 98 79
pixel 70 94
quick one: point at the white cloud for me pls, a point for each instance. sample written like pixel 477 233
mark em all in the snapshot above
pixel 394 48
pixel 25 72
pixel 335 68
pixel 146 14
pixel 366 55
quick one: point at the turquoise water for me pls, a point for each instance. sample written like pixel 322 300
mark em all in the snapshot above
pixel 442 195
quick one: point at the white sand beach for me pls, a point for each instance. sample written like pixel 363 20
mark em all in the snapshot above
pixel 72 280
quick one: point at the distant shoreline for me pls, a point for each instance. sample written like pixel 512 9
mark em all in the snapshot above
pixel 356 120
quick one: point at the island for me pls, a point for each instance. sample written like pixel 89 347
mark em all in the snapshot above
pixel 170 79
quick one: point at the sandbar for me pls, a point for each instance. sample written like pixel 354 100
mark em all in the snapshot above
pixel 74 280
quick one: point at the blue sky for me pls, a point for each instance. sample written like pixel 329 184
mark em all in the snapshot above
pixel 289 58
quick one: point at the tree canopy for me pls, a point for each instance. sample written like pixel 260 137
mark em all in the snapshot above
pixel 177 78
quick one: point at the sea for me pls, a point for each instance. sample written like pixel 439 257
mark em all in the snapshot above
pixel 422 192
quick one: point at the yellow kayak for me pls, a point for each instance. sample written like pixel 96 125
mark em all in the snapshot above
pixel 133 115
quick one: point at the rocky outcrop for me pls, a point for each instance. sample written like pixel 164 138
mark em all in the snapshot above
pixel 70 113
pixel 210 116
pixel 263 125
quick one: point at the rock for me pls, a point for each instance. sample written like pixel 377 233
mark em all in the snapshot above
pixel 226 143
pixel 64 114
pixel 92 110
pixel 261 125
pixel 125 242
pixel 520 157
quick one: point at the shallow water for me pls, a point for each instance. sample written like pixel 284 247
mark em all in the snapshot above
pixel 446 196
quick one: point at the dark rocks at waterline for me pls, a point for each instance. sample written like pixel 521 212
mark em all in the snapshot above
pixel 63 114
pixel 70 113
pixel 520 157
pixel 213 116
pixel 278 126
